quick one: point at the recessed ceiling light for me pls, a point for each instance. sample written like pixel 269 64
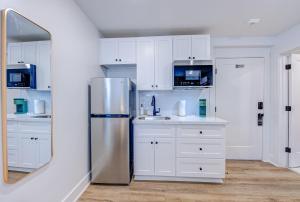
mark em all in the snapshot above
pixel 254 21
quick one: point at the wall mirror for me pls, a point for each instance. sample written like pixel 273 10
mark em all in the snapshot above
pixel 26 106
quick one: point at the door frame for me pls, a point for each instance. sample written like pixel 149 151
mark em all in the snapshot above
pixel 253 52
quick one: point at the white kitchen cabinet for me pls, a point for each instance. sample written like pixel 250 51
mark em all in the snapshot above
pixel 43 63
pixel 145 64
pixel 193 47
pixel 29 144
pixel 164 156
pixel 182 48
pixel 14 53
pixel 117 51
pixel 29 51
pixel 154 63
pixel 179 152
pixel 163 63
pixel 144 156
pixel 27 151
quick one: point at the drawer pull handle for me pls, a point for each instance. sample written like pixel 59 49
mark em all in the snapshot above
pixel 156 142
pixel 151 142
pixel 200 149
pixel 200 132
pixel 200 169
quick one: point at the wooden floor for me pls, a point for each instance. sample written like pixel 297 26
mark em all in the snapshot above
pixel 15 176
pixel 245 181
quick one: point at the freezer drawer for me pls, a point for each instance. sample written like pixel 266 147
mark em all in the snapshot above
pixel 110 140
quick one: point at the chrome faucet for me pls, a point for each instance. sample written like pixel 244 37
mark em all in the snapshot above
pixel 153 103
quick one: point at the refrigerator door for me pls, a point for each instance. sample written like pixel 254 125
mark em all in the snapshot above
pixel 110 95
pixel 110 150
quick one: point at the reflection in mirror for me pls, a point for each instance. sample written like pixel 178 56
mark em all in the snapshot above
pixel 28 97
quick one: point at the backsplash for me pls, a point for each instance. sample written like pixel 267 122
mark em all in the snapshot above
pixel 167 101
pixel 30 95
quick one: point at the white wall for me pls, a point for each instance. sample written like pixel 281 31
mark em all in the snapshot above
pixel 284 43
pixel 74 61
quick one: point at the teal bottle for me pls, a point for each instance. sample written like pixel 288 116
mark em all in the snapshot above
pixel 202 107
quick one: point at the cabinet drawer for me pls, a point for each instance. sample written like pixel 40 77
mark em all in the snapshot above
pixel 35 126
pixel 201 131
pixel 154 131
pixel 197 167
pixel 200 148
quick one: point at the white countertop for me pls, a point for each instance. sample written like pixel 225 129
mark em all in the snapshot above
pixel 183 120
pixel 27 117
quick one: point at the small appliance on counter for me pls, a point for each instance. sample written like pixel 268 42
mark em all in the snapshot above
pixel 39 106
pixel 21 76
pixel 21 105
pixel 202 107
pixel 181 108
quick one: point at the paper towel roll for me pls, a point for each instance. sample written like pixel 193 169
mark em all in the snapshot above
pixel 181 108
pixel 39 106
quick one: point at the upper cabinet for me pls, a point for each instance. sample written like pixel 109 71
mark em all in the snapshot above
pixel 37 53
pixel 117 51
pixel 154 63
pixel 195 47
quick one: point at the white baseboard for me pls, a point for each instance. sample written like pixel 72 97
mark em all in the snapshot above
pixel 178 179
pixel 78 190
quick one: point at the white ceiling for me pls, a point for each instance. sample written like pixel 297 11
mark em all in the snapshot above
pixel 163 17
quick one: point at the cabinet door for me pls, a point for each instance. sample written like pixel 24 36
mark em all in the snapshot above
pixel 144 156
pixel 201 47
pixel 109 51
pixel 163 63
pixel 145 64
pixel 28 151
pixel 43 65
pixel 43 149
pixel 14 53
pixel 12 149
pixel 127 51
pixel 29 52
pixel 182 48
pixel 165 156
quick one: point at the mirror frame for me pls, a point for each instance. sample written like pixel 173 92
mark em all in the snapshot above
pixel 4 14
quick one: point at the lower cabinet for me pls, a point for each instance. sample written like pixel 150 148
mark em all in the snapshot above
pixel 154 156
pixel 29 144
pixel 172 152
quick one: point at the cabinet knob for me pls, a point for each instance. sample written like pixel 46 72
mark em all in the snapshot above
pixel 36 138
pixel 152 86
pixel 193 58
pixel 190 58
pixel 116 60
pixel 200 132
pixel 156 86
pixel 156 142
pixel 200 149
pixel 151 142
pixel 120 60
pixel 200 168
pixel 32 138
pixel 49 86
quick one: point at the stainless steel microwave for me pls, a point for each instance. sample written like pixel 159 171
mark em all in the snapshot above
pixel 21 76
pixel 192 76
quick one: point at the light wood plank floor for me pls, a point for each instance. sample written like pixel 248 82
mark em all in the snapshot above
pixel 245 181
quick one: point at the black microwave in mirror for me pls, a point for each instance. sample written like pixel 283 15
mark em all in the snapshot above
pixel 192 76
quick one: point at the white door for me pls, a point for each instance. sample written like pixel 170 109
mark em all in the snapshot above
pixel 28 151
pixel 14 55
pixel 144 156
pixel 239 88
pixel 29 52
pixel 127 51
pixel 145 64
pixel 43 149
pixel 165 156
pixel 43 65
pixel 201 47
pixel 182 48
pixel 109 51
pixel 163 63
pixel 294 139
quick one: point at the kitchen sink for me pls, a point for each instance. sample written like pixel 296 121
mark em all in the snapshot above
pixel 154 118
pixel 41 116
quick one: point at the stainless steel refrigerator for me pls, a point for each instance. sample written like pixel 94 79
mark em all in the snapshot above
pixel 112 110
